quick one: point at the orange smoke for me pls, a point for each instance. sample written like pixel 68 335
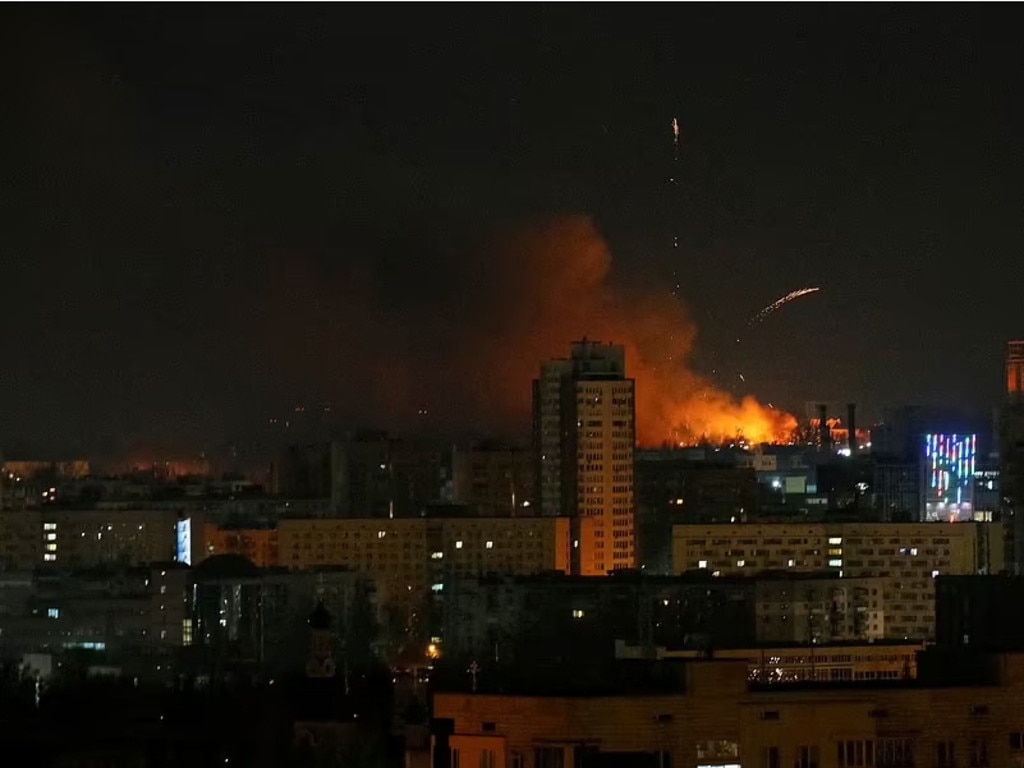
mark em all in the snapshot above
pixel 560 270
pixel 451 342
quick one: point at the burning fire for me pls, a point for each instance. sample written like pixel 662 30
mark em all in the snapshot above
pixel 719 419
pixel 470 346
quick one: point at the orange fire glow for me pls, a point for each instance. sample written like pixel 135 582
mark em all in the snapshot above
pixel 466 348
pixel 572 263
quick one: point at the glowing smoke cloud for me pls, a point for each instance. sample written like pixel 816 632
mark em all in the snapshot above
pixel 760 316
pixel 471 345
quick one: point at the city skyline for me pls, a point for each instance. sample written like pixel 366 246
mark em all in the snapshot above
pixel 203 242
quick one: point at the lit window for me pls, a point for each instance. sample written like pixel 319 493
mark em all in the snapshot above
pixel 577 613
pixel 489 545
pixel 835 563
pixel 790 563
pixel 49 558
pixel 437 587
pixel 49 526
pixel 934 574
pixel 51 536
pixel 186 631
pixel 53 613
pixel 381 534
pixel 702 563
pixel 51 546
pixel 833 540
pixel 436 555
pixel 913 551
pixel 458 545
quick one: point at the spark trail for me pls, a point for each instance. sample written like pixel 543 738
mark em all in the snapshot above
pixel 675 137
pixel 775 305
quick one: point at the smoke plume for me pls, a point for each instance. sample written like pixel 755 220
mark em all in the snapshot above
pixel 456 344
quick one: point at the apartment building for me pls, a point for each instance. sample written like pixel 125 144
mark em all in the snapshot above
pixel 84 538
pixel 414 554
pixel 585 436
pixel 256 544
pixel 713 716
pixel 906 556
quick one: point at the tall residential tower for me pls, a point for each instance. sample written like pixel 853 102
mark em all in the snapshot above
pixel 584 435
pixel 1011 455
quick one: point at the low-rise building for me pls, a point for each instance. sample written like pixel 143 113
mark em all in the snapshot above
pixel 710 715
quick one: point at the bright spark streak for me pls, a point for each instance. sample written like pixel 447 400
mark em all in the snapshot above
pixel 675 138
pixel 760 316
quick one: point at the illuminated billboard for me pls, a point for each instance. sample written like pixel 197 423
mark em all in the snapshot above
pixel 948 476
pixel 183 528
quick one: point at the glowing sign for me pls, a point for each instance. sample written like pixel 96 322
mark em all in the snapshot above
pixel 183 528
pixel 948 473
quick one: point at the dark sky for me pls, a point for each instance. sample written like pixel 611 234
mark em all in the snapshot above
pixel 212 214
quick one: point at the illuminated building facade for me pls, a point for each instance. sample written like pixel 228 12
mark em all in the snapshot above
pixel 256 544
pixel 905 556
pixel 85 538
pixel 713 716
pixel 585 435
pixel 414 554
pixel 947 484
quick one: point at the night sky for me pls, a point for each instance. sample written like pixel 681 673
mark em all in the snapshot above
pixel 214 214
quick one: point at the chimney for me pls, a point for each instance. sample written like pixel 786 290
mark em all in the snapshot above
pixel 851 427
pixel 823 431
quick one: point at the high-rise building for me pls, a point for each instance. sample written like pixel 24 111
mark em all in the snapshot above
pixel 1011 455
pixel 947 472
pixel 1015 371
pixel 584 435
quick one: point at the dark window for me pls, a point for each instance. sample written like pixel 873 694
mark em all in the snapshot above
pixel 807 757
pixel 944 754
pixel 977 753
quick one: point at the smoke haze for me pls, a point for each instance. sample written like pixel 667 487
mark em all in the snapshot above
pixel 459 351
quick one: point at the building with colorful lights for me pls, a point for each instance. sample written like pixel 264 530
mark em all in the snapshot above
pixel 948 477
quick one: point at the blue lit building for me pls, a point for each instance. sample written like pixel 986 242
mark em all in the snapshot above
pixel 947 476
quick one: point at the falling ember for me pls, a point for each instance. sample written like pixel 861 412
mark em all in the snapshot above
pixel 760 316
pixel 675 136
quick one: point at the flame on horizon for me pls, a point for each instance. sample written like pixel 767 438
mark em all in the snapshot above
pixel 464 348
